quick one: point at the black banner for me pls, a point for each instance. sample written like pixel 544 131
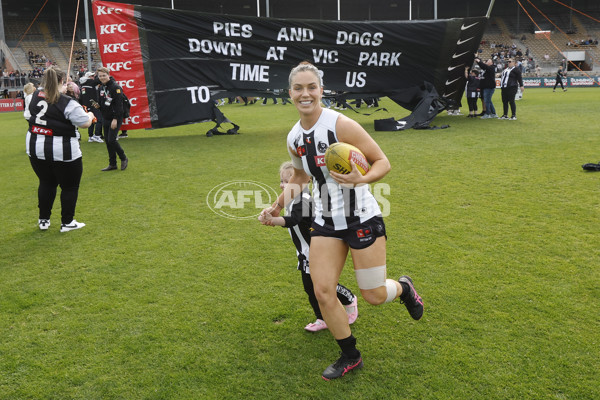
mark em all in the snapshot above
pixel 184 59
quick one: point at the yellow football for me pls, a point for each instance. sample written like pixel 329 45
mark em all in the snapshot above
pixel 338 156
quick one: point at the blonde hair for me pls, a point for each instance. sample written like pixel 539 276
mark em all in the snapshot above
pixel 302 67
pixel 51 81
pixel 103 69
pixel 29 88
pixel 286 165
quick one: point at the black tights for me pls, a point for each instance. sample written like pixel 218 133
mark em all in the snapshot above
pixel 345 296
pixel 52 174
pixel 508 98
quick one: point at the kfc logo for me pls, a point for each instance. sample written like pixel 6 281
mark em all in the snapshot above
pixel 320 161
pixel 115 47
pixel 110 29
pixel 41 131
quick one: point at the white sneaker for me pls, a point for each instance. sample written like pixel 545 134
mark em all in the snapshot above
pixel 71 226
pixel 91 139
pixel 44 224
pixel 97 139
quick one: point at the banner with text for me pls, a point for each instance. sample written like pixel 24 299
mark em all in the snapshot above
pixel 171 63
pixel 12 105
pixel 575 81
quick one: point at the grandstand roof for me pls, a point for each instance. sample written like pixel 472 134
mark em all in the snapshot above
pixel 312 9
pixel 327 9
pixel 322 9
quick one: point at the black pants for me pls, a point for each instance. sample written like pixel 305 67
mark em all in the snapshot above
pixel 112 145
pixel 52 174
pixel 472 102
pixel 508 98
pixel 96 127
pixel 265 100
pixel 559 81
pixel 345 296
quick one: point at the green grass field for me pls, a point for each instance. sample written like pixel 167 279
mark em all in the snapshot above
pixel 158 297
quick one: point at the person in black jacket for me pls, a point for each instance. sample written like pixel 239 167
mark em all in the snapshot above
pixel 472 90
pixel 559 75
pixel 509 84
pixel 488 86
pixel 89 99
pixel 111 106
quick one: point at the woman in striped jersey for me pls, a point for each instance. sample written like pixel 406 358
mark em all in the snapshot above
pixel 347 216
pixel 52 145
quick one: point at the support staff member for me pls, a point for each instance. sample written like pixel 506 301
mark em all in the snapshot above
pixel 510 83
pixel 52 145
pixel 111 106
pixel 559 75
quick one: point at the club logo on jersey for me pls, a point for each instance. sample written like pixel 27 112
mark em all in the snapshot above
pixel 42 94
pixel 301 151
pixel 362 233
pixel 320 161
pixel 322 147
pixel 41 131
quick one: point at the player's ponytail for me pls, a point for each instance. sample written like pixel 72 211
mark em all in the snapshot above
pixel 51 82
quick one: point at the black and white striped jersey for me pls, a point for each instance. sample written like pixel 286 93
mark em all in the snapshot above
pixel 52 133
pixel 298 219
pixel 336 207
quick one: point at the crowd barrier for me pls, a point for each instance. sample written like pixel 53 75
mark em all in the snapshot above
pixel 579 81
pixel 12 105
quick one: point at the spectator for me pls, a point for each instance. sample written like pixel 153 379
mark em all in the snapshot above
pixel 471 92
pixel 89 99
pixel 56 159
pixel 510 83
pixel 488 86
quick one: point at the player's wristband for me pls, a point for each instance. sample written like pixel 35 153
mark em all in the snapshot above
pixel 279 205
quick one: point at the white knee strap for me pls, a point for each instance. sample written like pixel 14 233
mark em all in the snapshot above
pixel 392 290
pixel 370 278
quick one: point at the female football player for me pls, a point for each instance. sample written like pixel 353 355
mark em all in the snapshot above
pixel 347 216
